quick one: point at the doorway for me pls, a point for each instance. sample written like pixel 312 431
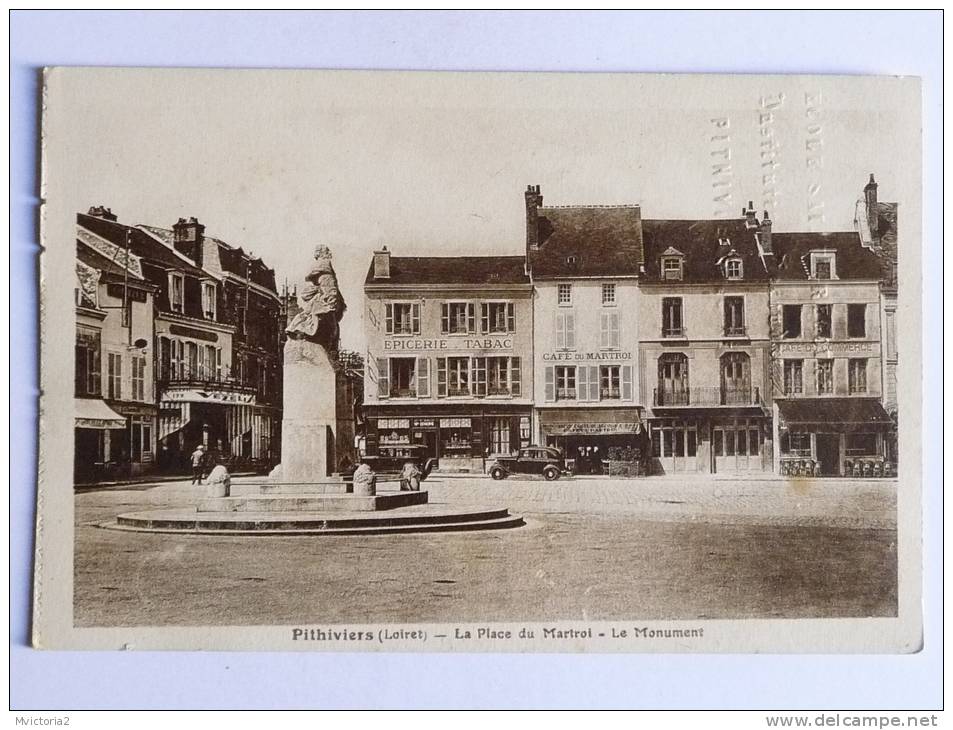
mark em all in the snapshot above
pixel 828 453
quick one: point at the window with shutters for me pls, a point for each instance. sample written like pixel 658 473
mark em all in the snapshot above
pixel 672 317
pixel 497 317
pixel 565 382
pixel 734 316
pixel 610 382
pixel 403 380
pixel 176 292
pixel 402 318
pixel 565 331
pixel 609 339
pixel 114 376
pixel 88 367
pixel 138 378
pixel 209 299
pixel 791 321
pixel 856 320
pixel 793 377
pixel 857 375
pixel 458 376
pixel 457 318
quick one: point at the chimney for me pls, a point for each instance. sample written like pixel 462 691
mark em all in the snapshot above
pixel 99 211
pixel 751 216
pixel 533 201
pixel 764 235
pixel 873 215
pixel 188 238
pixel 382 264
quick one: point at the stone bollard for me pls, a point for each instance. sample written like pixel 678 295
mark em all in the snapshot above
pixel 365 481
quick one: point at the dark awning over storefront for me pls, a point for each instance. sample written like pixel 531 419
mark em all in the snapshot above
pixel 94 413
pixel 591 422
pixel 838 414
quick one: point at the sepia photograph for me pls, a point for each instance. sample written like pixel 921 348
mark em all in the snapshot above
pixel 479 362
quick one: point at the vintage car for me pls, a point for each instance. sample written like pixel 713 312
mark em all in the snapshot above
pixel 390 465
pixel 531 460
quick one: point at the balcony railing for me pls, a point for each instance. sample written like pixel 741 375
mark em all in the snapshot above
pixel 202 380
pixel 609 393
pixel 565 394
pixel 403 393
pixel 673 331
pixel 734 396
pixel 736 331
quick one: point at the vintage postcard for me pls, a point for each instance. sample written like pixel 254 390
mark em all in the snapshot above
pixel 479 362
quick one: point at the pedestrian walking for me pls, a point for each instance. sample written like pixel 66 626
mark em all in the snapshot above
pixel 198 464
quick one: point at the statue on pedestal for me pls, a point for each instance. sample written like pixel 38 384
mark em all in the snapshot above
pixel 322 306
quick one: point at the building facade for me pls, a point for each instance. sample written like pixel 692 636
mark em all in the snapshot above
pixel 704 352
pixel 204 327
pixel 584 263
pixel 449 350
pixel 876 222
pixel 114 384
pixel 827 364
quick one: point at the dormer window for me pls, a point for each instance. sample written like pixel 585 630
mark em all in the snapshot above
pixel 672 268
pixel 734 269
pixel 209 299
pixel 823 265
pixel 176 292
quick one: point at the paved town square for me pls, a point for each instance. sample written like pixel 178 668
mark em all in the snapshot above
pixel 596 549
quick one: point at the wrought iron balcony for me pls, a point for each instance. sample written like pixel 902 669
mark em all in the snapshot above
pixel 736 331
pixel 707 397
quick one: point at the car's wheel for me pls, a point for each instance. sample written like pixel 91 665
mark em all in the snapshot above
pixel 497 473
pixel 551 473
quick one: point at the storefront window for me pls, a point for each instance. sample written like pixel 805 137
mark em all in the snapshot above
pixel 796 444
pixel 394 432
pixel 500 436
pixel 455 436
pixel 861 444
pixel 524 430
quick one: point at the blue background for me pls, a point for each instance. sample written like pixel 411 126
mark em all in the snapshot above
pixel 908 43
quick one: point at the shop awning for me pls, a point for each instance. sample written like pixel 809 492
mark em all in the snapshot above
pixel 591 422
pixel 839 414
pixel 94 413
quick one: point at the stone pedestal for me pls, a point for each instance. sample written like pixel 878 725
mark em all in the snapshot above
pixel 309 416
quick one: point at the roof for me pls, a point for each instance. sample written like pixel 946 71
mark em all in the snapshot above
pixel 140 243
pixel 854 260
pixel 704 244
pixel 100 254
pixel 582 241
pixel 488 270
pixel 232 259
pixel 829 411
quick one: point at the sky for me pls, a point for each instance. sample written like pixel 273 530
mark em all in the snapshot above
pixel 436 164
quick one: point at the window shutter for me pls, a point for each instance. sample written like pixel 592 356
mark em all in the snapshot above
pixel 383 378
pixel 560 331
pixel 445 318
pixel 582 384
pixel 441 377
pixel 415 318
pixel 389 318
pixel 471 317
pixel 515 384
pixel 550 385
pixel 614 329
pixel 511 317
pixel 484 317
pixel 570 331
pixel 626 382
pixel 593 382
pixel 423 377
pixel 604 330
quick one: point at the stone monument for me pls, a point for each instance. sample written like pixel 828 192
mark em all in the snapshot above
pixel 309 418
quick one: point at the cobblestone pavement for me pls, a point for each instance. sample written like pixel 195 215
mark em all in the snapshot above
pixel 591 550
pixel 796 502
